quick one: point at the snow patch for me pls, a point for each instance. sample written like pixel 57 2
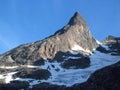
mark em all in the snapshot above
pixel 8 67
pixel 98 42
pixel 74 52
pixel 72 57
pixel 8 77
pixel 53 67
pixel 31 66
pixel 79 48
pixel 104 46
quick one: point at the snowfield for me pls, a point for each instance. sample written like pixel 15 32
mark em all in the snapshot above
pixel 69 77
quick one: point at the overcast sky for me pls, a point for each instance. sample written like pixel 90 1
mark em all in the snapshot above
pixel 24 21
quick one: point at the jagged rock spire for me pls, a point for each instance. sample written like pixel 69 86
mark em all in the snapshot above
pixel 77 19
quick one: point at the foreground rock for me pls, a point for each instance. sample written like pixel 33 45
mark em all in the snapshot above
pixel 104 79
pixel 39 74
pixel 15 85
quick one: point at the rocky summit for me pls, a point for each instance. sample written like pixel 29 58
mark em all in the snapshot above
pixel 113 43
pixel 75 36
pixel 71 59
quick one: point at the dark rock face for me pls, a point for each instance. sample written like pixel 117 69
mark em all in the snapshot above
pixel 76 63
pixel 15 85
pixel 47 86
pixel 75 33
pixel 39 74
pixel 61 56
pixel 102 49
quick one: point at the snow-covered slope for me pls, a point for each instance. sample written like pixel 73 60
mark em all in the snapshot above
pixel 69 77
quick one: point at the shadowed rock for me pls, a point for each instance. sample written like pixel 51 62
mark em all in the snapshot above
pixel 76 63
pixel 39 74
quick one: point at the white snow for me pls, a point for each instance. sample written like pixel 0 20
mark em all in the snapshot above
pixel 79 48
pixel 104 46
pixel 74 52
pixel 54 69
pixel 7 77
pixel 13 67
pixel 31 66
pixel 72 57
pixel 72 76
pixel 98 42
pixel 8 67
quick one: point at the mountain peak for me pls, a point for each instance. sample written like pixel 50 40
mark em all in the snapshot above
pixel 76 14
pixel 75 36
pixel 77 19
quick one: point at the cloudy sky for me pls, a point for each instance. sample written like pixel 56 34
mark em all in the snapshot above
pixel 24 21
